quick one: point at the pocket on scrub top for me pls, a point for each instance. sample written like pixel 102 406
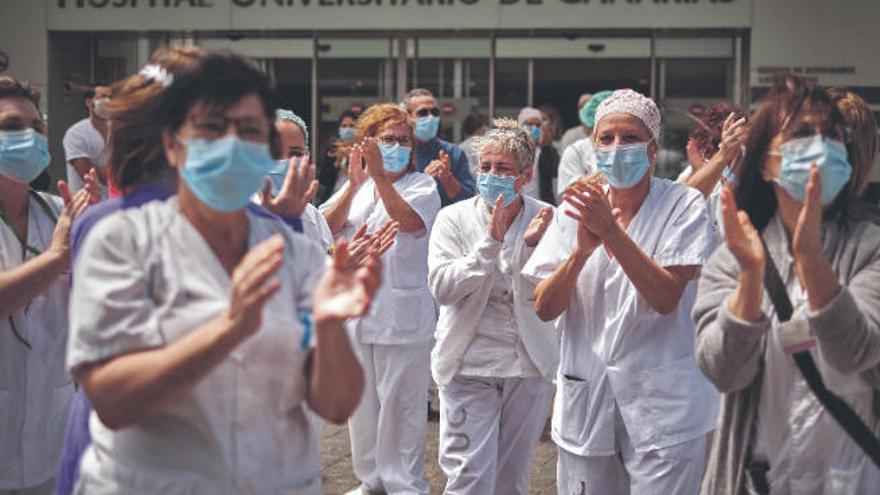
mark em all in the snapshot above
pixel 408 266
pixel 406 310
pixel 573 408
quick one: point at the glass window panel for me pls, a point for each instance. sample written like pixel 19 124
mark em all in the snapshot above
pixel 698 78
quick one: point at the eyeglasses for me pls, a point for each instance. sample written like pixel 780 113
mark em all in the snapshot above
pixel 392 140
pixel 214 126
pixel 424 112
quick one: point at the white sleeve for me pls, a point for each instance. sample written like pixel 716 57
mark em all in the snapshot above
pixel 456 270
pixel 686 238
pixel 422 196
pixel 76 144
pixel 112 304
pixel 309 264
pixel 554 248
pixel 577 161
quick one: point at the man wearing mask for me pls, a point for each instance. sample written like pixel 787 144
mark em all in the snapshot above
pixel 85 141
pixel 35 388
pixel 579 159
pixel 578 132
pixel 444 161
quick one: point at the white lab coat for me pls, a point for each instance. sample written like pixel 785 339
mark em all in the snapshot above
pixel 807 450
pixel 619 354
pixel 461 259
pixel 403 310
pixel 578 160
pixel 35 388
pixel 145 278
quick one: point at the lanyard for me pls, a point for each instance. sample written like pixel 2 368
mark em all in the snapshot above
pixel 28 248
pixel 45 207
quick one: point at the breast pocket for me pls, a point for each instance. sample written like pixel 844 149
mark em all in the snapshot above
pixel 408 264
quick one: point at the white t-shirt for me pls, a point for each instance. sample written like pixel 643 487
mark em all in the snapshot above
pixel 35 388
pixel 577 161
pixel 572 136
pixel 82 140
pixel 315 227
pixel 619 354
pixel 403 310
pixel 145 278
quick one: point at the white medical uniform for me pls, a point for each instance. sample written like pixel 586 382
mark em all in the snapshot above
pixel 493 356
pixel 532 188
pixel 577 161
pixel 393 342
pixel 808 451
pixel 624 367
pixel 145 278
pixel 713 205
pixel 82 140
pixel 35 388
pixel 315 227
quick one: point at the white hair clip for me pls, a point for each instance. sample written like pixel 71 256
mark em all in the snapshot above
pixel 158 74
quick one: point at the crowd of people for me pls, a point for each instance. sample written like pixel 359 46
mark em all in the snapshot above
pixel 202 295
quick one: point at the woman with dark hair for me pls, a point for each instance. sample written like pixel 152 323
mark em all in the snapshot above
pixel 795 200
pixel 334 168
pixel 191 332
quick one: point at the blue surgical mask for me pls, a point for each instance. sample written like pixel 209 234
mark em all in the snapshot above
pixel 277 173
pixel 347 133
pixel 224 173
pixel 491 186
pixel 534 131
pixel 623 165
pixel 427 127
pixel 395 157
pixel 728 175
pixel 800 153
pixel 23 154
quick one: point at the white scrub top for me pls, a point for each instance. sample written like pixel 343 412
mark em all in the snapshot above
pixel 35 388
pixel 403 310
pixel 82 140
pixel 145 278
pixel 617 352
pixel 315 227
pixel 793 426
pixel 578 160
pixel 713 204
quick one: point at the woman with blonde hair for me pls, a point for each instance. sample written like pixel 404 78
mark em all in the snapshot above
pixel 394 340
pixel 493 356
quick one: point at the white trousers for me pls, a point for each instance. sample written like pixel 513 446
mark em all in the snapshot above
pixel 488 431
pixel 672 470
pixel 388 430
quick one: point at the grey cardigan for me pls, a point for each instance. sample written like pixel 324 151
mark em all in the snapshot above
pixel 730 351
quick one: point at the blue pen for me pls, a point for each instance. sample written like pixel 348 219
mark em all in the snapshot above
pixel 306 320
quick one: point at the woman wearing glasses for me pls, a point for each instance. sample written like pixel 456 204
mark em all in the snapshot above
pixel 185 330
pixel 394 340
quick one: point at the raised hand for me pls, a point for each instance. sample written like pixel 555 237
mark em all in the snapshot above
pixel 500 219
pixel 252 287
pixel 733 138
pixel 346 291
pixel 538 226
pixel 593 206
pixel 440 167
pixel 806 240
pixel 92 183
pixel 298 190
pixel 373 156
pixel 378 242
pixel 357 175
pixel 74 206
pixel 741 237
